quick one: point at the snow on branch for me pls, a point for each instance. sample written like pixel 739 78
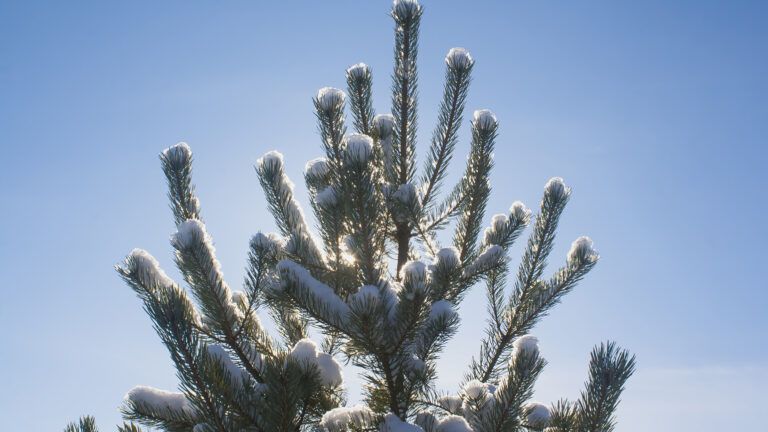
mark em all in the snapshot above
pixel 316 173
pixel 315 297
pixel 196 257
pixel 537 415
pixel 147 270
pixel 306 353
pixel 405 10
pixel 343 418
pixel 358 148
pixel 177 166
pixel 329 98
pixel 160 399
pixel 158 407
pixel 359 83
pixel 582 252
pixel 383 130
pixel 279 190
pixel 392 423
pixel 459 58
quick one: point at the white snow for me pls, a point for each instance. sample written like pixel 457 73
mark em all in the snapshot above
pixel 442 309
pixel 274 161
pixel 239 297
pixel 237 373
pixel 384 124
pixel 527 344
pixel 426 420
pixel 326 197
pixel 582 251
pixel 160 399
pixel 303 280
pixel 556 188
pixel 459 58
pixel 453 423
pixel 519 212
pixel 406 194
pixel 273 157
pixel 148 269
pixel 330 370
pixel 359 148
pixel 415 274
pixel 365 293
pixel 317 168
pixel 475 389
pixel 191 235
pixel 330 98
pixel 484 119
pixel 179 154
pixel 416 365
pixel 268 243
pixel 405 9
pixel 305 352
pixel 338 419
pixel 392 423
pixel 358 70
pixel 537 414
pixel 448 258
pixel 491 256
pixel 452 403
pixel 499 222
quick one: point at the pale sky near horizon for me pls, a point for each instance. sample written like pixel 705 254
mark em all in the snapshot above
pixel 654 112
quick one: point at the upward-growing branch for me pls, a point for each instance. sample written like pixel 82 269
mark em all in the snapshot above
pixel 457 77
pixel 407 16
pixel 359 83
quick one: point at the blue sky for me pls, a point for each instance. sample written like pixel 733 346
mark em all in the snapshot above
pixel 654 112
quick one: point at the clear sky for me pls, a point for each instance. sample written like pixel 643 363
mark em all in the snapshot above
pixel 654 112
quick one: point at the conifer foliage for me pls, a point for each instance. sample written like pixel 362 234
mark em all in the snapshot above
pixel 372 277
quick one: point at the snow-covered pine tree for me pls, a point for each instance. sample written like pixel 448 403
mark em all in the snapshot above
pixel 374 279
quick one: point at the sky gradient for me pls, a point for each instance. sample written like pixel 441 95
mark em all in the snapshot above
pixel 654 112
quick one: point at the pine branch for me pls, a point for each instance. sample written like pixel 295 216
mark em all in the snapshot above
pixel 312 296
pixel 359 83
pixel 496 346
pixel 476 184
pixel 609 369
pixel 160 409
pixel 128 427
pixel 364 203
pixel 329 109
pixel 383 132
pixel 177 166
pixel 457 77
pixel 563 417
pixel 514 389
pixel 85 424
pixel 278 190
pixel 407 16
pixel 328 206
pixel 174 319
pixel 196 260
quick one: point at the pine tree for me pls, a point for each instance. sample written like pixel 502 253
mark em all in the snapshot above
pixel 373 278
